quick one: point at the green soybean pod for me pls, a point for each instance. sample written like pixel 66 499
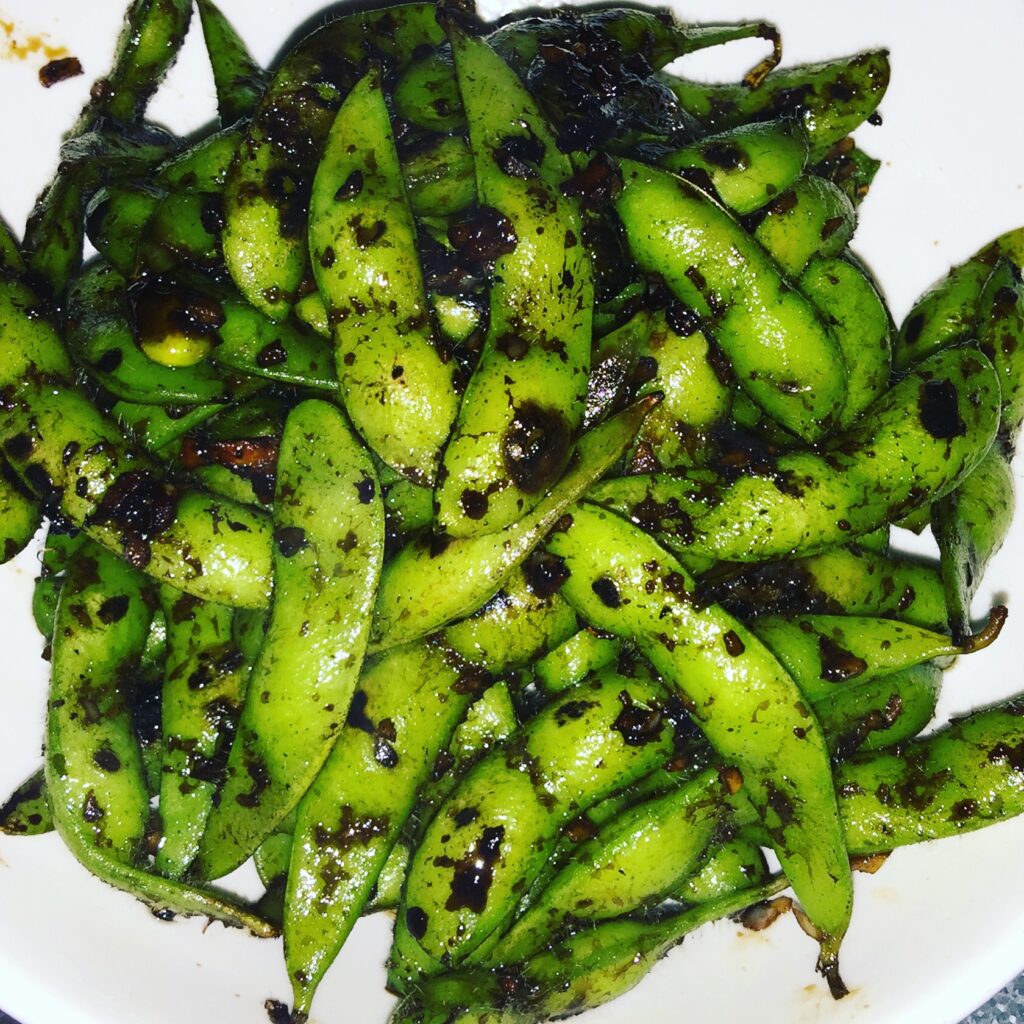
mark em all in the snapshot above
pixel 525 400
pixel 747 165
pixel 970 525
pixel 729 866
pixel 687 369
pixel 238 79
pixel 784 357
pixel 204 166
pixel 861 324
pixel 851 580
pixel 583 653
pixel 493 835
pixel 20 514
pixel 911 447
pixel 743 700
pixel 958 779
pixel 831 98
pixel 614 361
pixel 94 772
pixel 814 218
pixel 397 386
pixel 93 766
pixel 425 587
pixel 328 526
pixel 101 337
pixel 26 812
pixel 203 688
pixel 154 428
pixel 439 177
pixel 822 651
pixel 265 199
pixel 1000 333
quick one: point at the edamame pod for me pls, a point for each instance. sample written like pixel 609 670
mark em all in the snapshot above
pixel 328 527
pixel 203 688
pixel 831 98
pixel 970 525
pixel 267 193
pixel 1000 334
pixel 525 401
pixel 814 218
pixel 425 587
pixel 238 79
pixel 783 356
pixel 614 361
pixel 861 324
pixel 397 385
pixel 911 447
pixel 850 580
pixel 20 514
pixel 583 653
pixel 738 694
pixel 27 810
pixel 745 166
pixel 439 177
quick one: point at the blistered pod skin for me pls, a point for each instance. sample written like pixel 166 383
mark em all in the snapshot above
pixel 397 386
pixel 267 192
pixel 328 549
pixel 911 447
pixel 525 401
pixel 744 701
pixel 783 355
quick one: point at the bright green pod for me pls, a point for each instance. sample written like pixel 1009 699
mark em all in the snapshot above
pixel 847 580
pixel 970 525
pixel 425 587
pixel 203 689
pixel 27 811
pixel 583 653
pixel 747 166
pixel 958 779
pixel 947 313
pixel 20 514
pixel 911 447
pixel 850 169
pixel 688 370
pixel 184 231
pixel 94 769
pixel 238 79
pixel 822 651
pixel 101 337
pixel 830 98
pixel 268 187
pixel 93 766
pixel 813 219
pixel 439 177
pixel 880 712
pixel 783 356
pixel 750 709
pixel 328 526
pixel 115 218
pixel 860 322
pixel 202 167
pixel 525 400
pixel 1000 335
pixel 729 866
pixel 155 427
pixel 495 832
pixel 397 385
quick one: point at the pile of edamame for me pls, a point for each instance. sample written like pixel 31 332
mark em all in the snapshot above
pixel 468 474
